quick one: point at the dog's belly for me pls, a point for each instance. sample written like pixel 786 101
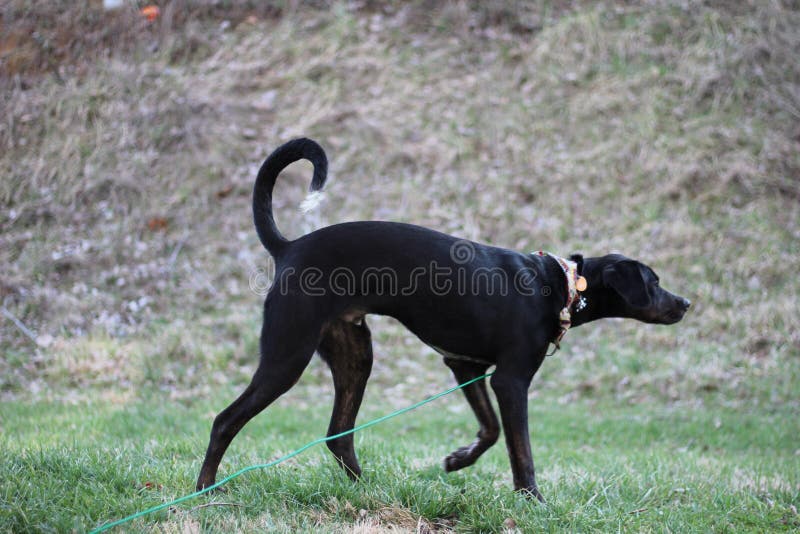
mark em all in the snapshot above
pixel 460 336
pixel 459 341
pixel 461 357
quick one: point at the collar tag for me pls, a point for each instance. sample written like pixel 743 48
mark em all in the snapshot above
pixel 580 283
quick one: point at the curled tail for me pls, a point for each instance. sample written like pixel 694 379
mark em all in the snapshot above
pixel 282 157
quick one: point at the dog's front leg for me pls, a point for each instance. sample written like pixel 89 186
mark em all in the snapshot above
pixel 511 389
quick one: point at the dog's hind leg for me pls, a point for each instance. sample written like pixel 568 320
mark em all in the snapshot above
pixel 347 348
pixel 478 399
pixel 286 350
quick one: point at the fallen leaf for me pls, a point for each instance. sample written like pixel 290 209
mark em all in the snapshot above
pixel 150 12
pixel 225 191
pixel 155 224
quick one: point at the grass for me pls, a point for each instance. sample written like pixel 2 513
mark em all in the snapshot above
pixel 127 156
pixel 602 467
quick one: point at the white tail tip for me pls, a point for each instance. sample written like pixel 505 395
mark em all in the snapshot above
pixel 312 200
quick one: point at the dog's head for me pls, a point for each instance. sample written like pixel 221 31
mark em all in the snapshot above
pixel 637 292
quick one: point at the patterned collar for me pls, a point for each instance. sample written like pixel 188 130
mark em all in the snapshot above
pixel 575 283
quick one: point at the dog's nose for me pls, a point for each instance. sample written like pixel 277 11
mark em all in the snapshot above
pixel 685 303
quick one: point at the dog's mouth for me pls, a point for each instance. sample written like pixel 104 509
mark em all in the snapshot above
pixel 673 316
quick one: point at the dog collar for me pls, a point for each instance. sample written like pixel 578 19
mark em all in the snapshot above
pixel 575 283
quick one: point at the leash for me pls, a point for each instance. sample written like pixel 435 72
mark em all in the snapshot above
pixel 148 511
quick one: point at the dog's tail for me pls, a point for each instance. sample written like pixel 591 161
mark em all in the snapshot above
pixel 283 156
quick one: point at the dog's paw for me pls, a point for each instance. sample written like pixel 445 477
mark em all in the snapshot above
pixel 203 485
pixel 459 459
pixel 532 492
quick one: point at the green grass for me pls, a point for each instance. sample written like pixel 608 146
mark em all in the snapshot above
pixel 602 466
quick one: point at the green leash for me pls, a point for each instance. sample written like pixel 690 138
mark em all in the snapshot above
pixel 118 522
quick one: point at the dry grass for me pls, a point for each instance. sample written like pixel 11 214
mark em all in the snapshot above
pixel 666 132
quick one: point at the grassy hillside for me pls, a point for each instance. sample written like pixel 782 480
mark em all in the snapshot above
pixel 667 132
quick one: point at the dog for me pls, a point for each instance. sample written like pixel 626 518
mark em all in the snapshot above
pixel 477 305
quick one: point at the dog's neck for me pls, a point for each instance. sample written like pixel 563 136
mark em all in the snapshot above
pixel 601 301
pixel 570 270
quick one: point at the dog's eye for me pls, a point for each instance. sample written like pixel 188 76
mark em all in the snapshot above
pixel 656 282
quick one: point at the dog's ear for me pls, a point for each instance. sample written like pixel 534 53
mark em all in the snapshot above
pixel 626 278
pixel 578 259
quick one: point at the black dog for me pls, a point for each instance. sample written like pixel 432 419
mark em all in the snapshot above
pixel 475 304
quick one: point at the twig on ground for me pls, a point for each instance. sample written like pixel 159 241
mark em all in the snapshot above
pixel 174 256
pixel 25 330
